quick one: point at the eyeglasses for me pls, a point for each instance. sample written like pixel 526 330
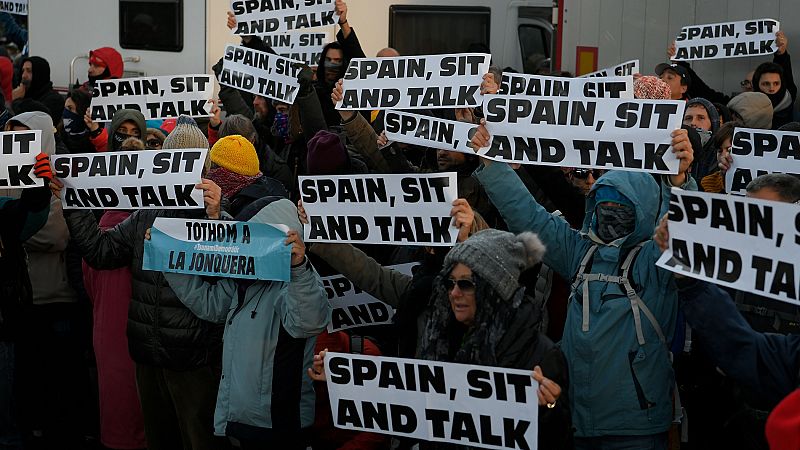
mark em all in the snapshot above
pixel 746 83
pixel 154 143
pixel 465 285
pixel 584 173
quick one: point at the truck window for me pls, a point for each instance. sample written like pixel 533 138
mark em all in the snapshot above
pixel 430 30
pixel 535 48
pixel 151 25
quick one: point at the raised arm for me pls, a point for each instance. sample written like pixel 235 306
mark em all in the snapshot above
pixel 767 364
pixel 387 285
pixel 521 212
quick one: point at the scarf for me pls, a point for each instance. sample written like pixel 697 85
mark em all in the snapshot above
pixel 479 343
pixel 780 100
pixel 231 182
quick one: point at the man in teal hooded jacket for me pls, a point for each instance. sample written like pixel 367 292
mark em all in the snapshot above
pixel 618 328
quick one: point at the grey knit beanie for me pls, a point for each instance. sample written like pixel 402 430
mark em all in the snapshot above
pixel 755 109
pixel 498 257
pixel 185 135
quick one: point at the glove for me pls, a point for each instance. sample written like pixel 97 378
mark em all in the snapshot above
pixel 42 167
pixel 306 81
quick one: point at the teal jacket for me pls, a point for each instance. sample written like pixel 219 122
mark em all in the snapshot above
pixel 264 321
pixel 617 386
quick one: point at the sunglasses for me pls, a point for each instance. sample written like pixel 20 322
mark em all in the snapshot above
pixel 465 285
pixel 746 83
pixel 583 174
pixel 153 143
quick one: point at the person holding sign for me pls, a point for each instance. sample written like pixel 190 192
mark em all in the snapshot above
pixel 777 81
pixel 20 219
pixel 364 139
pixel 481 315
pixel 264 401
pixel 407 293
pixel 765 364
pixel 124 124
pixel 175 352
pixel 623 316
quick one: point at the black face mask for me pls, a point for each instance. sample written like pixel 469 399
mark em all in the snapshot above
pixel 118 139
pixel 614 222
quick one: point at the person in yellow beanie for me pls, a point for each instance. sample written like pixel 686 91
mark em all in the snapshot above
pixel 235 168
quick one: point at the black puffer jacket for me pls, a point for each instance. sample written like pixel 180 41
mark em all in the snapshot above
pixel 161 331
pixel 19 220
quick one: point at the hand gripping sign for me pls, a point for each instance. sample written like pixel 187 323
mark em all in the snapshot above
pixel 605 133
pixel 409 209
pixel 757 152
pixel 148 179
pixel 414 82
pixel 477 406
pixel 155 97
pixel 280 16
pixel 218 248
pixel 743 243
pixel 260 73
pixel 726 40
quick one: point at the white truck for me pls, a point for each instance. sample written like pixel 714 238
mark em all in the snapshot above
pixel 163 37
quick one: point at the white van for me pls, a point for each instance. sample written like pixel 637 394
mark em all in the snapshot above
pixel 163 37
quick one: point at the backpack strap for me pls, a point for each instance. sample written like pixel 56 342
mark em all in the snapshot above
pixel 582 277
pixel 637 304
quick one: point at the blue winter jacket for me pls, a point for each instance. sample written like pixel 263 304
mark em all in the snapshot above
pixel 265 323
pixel 766 364
pixel 617 387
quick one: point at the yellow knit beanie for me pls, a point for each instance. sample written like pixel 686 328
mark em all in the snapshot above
pixel 236 154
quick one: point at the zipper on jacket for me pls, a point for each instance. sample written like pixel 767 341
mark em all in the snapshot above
pixel 241 291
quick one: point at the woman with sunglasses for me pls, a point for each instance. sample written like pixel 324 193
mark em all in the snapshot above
pixel 479 314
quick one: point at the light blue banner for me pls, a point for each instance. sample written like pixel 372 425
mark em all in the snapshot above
pixel 218 248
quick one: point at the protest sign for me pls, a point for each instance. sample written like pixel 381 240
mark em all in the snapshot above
pixel 409 209
pixel 726 40
pixel 477 406
pixel 627 68
pixel 600 133
pixel 544 86
pixel 743 243
pixel 429 131
pixel 156 97
pixel 353 307
pixel 414 82
pixel 260 73
pixel 19 7
pixel 145 179
pixel 211 247
pixel 265 16
pixel 757 152
pixel 18 150
pixel 306 47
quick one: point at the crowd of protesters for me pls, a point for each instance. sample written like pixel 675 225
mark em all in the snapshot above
pixel 96 352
